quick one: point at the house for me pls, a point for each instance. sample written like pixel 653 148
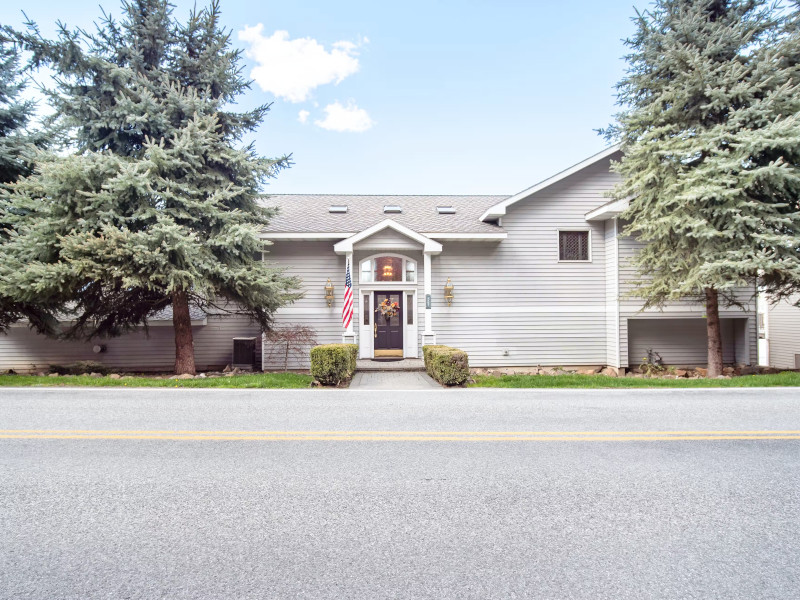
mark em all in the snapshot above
pixel 537 278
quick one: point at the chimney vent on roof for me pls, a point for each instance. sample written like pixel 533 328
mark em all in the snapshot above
pixel 337 208
pixel 446 210
pixel 392 208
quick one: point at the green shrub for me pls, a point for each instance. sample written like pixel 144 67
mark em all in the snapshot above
pixel 80 367
pixel 448 366
pixel 333 364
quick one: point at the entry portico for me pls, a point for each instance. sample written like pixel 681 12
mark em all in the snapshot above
pixel 386 267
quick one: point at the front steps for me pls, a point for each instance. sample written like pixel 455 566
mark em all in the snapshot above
pixel 407 364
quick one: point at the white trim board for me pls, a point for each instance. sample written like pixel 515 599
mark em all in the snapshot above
pixel 550 309
pixel 159 323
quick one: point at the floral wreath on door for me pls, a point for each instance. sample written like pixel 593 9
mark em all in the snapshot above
pixel 388 309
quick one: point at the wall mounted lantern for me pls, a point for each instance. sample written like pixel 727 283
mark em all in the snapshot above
pixel 448 292
pixel 329 292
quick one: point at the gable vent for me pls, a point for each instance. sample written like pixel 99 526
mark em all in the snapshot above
pixel 445 210
pixel 392 208
pixel 337 208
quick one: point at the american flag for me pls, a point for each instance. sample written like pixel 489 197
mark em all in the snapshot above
pixel 347 309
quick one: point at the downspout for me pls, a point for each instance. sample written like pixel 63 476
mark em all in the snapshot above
pixel 617 290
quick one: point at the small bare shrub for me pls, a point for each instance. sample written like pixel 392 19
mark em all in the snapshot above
pixel 290 340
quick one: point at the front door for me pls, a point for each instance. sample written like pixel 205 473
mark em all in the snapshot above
pixel 388 330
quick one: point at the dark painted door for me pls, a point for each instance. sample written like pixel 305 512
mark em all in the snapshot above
pixel 388 333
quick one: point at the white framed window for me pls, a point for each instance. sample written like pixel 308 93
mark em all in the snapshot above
pixel 574 245
pixel 387 269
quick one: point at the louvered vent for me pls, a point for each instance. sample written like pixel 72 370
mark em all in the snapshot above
pixel 244 353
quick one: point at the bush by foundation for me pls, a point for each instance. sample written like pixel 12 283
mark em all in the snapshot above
pixel 448 366
pixel 333 364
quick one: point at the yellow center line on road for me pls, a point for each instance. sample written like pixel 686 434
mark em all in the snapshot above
pixel 404 436
pixel 390 432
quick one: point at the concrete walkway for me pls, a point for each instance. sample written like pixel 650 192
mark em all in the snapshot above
pixel 393 380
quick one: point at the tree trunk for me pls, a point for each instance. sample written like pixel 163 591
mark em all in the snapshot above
pixel 714 335
pixel 182 324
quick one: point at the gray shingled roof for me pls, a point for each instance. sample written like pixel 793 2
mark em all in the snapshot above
pixel 165 314
pixel 309 213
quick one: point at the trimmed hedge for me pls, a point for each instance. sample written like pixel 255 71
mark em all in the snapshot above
pixel 333 364
pixel 448 366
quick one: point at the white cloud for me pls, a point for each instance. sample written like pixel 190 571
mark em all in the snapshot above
pixel 345 118
pixel 302 116
pixel 291 69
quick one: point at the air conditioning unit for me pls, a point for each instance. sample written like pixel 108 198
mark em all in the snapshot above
pixel 244 353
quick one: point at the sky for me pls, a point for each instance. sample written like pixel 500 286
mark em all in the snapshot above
pixel 429 97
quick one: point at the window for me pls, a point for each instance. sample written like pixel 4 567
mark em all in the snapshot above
pixel 411 271
pixel 366 309
pixel 573 245
pixel 388 269
pixel 410 309
pixel 366 271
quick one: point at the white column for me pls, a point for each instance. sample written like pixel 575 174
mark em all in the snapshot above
pixel 428 336
pixel 348 337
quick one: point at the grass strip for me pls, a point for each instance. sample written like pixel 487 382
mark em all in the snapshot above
pixel 257 380
pixel 784 379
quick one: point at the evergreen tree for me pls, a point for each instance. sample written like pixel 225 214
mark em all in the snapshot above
pixel 17 149
pixel 711 141
pixel 158 204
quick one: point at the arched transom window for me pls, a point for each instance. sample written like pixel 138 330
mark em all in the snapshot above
pixel 388 268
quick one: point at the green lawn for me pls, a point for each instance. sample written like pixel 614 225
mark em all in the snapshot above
pixel 787 378
pixel 258 380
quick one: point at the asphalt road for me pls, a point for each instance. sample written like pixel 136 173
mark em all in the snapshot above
pixel 383 507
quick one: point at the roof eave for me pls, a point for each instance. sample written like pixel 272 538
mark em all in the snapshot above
pixel 326 236
pixel 469 237
pixel 306 235
pixel 608 211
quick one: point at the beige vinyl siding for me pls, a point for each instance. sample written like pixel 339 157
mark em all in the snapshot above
pixel 516 296
pixel 387 239
pixel 783 334
pixel 23 350
pixel 314 263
